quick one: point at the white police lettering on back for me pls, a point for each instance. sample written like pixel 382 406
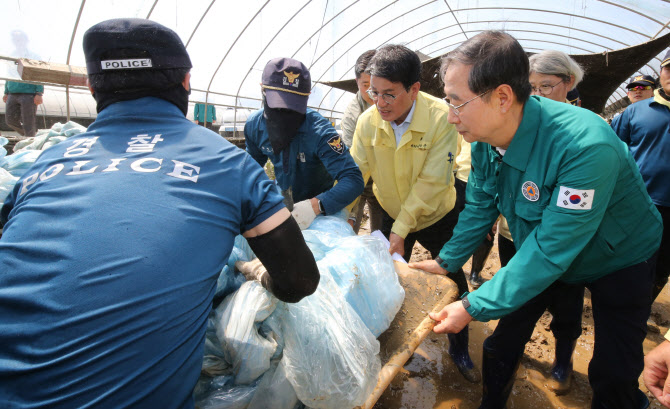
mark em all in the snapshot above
pixel 126 64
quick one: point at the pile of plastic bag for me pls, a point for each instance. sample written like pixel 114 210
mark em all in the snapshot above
pixel 321 352
pixel 26 151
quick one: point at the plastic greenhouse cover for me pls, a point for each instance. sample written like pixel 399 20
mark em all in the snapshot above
pixel 230 42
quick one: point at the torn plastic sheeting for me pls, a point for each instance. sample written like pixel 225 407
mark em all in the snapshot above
pixel 331 357
pixel 236 321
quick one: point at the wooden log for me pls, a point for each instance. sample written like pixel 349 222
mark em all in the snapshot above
pixel 42 71
pixel 420 288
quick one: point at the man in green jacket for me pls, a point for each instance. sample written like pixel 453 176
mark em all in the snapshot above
pixel 199 115
pixel 21 110
pixel 577 209
pixel 21 98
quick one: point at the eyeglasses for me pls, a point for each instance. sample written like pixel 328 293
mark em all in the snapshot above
pixel 640 88
pixel 454 108
pixel 374 96
pixel 545 89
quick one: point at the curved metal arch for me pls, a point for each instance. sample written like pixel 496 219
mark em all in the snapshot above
pixel 455 18
pixel 348 49
pixel 153 6
pixel 479 22
pixel 198 26
pixel 266 47
pixel 69 53
pixel 543 33
pixel 557 35
pixel 530 22
pixel 556 12
pixel 230 49
pixel 631 10
pixel 325 24
pixel 524 9
pixel 356 26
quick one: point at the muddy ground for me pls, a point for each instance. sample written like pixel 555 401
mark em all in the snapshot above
pixel 429 380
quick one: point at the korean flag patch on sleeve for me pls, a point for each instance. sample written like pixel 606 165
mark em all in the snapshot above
pixel 577 199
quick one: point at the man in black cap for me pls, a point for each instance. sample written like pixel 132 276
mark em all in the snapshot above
pixel 573 98
pixel 113 240
pixel 641 88
pixel 645 127
pixel 307 152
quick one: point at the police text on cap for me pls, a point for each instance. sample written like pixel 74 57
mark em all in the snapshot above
pixel 126 64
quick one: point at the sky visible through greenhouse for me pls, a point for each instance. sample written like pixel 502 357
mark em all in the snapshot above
pixel 230 41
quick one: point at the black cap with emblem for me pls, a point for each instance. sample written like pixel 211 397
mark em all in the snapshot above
pixel 133 44
pixel 642 80
pixel 287 84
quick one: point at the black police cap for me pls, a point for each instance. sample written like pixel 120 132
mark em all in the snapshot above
pixel 133 44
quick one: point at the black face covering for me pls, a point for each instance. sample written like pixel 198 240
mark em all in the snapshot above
pixel 282 126
pixel 176 94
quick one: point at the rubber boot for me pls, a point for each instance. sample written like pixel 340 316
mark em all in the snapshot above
pixel 458 349
pixel 498 372
pixel 478 260
pixel 561 371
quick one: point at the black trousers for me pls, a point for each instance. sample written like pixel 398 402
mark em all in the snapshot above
pixel 621 305
pixel 565 306
pixel 663 262
pixel 432 238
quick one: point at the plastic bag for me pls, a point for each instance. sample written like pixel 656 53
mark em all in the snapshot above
pixel 325 232
pixel 363 270
pixel 330 356
pixel 221 393
pixel 7 182
pixel 18 163
pixel 236 320
pixel 274 390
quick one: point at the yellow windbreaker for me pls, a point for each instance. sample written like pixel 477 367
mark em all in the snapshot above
pixel 414 181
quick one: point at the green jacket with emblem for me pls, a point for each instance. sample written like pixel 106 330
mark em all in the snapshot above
pixel 559 150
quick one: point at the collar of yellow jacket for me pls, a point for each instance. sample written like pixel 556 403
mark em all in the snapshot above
pixel 658 98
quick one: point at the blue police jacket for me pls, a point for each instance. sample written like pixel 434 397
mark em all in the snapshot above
pixel 318 157
pixel 109 259
pixel 645 128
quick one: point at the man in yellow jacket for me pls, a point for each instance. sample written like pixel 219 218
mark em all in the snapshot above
pixel 408 147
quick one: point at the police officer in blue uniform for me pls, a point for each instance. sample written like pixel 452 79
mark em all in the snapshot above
pixel 113 240
pixel 307 152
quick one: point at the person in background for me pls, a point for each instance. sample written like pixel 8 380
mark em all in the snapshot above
pixel 645 127
pixel 408 148
pixel 22 98
pixel 640 88
pixel 574 98
pixel 202 119
pixel 540 164
pixel 462 172
pixel 356 107
pixel 307 152
pixel 114 239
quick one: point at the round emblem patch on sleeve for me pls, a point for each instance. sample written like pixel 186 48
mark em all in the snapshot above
pixel 336 144
pixel 530 191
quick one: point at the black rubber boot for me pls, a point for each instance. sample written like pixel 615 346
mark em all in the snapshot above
pixel 498 372
pixel 561 371
pixel 478 260
pixel 458 349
